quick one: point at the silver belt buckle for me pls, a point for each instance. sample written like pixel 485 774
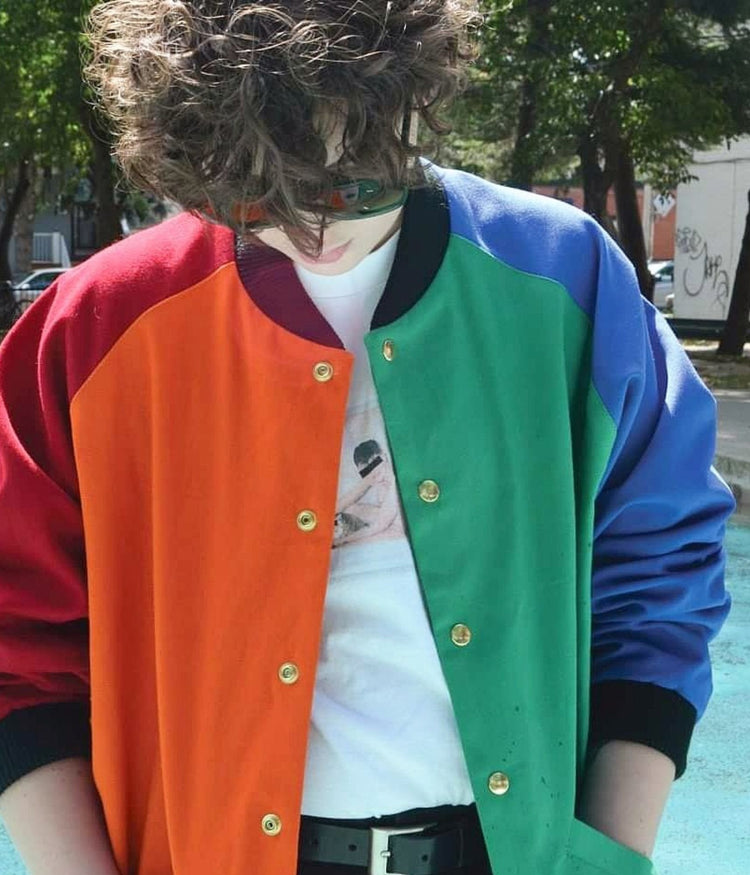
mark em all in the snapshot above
pixel 379 852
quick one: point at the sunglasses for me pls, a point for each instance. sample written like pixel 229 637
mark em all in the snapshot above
pixel 353 199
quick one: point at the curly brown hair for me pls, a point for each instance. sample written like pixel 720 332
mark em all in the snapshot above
pixel 223 103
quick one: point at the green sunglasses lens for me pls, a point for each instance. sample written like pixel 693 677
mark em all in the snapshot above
pixel 366 198
pixel 355 199
pixel 352 194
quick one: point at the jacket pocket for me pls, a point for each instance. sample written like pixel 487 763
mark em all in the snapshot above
pixel 590 852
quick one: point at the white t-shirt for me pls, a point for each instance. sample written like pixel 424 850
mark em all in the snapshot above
pixel 383 736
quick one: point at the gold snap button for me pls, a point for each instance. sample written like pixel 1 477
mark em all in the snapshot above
pixel 306 520
pixel 499 783
pixel 288 673
pixel 429 491
pixel 271 824
pixel 389 350
pixel 323 372
pixel 460 635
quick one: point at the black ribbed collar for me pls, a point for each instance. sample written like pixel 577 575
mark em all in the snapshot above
pixel 271 281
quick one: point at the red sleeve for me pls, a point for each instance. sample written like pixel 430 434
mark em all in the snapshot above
pixel 44 687
pixel 44 360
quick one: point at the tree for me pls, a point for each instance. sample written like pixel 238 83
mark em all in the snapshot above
pixel 622 84
pixel 16 185
pixel 735 329
pixel 629 223
pixel 103 174
pixel 26 110
pixel 685 97
pixel 44 115
pixel 520 31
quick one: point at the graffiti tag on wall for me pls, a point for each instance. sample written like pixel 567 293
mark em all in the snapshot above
pixel 704 274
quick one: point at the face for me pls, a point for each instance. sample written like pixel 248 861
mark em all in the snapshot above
pixel 345 244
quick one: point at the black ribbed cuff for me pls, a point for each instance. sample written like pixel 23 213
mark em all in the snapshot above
pixel 644 713
pixel 32 737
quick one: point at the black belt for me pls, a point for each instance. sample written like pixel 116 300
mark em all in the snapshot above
pixel 426 849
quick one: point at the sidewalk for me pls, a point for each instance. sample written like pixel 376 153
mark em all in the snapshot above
pixel 733 442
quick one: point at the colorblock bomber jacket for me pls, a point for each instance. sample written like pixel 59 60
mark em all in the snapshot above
pixel 168 472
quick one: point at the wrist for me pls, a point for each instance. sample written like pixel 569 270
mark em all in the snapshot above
pixel 624 793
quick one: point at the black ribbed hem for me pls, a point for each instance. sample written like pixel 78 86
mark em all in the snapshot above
pixel 644 713
pixel 33 737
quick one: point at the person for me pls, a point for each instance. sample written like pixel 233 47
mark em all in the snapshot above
pixel 370 508
pixel 193 678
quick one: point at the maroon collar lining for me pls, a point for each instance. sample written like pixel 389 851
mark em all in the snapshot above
pixel 272 283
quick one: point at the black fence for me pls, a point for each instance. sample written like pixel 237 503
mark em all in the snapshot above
pixel 699 329
pixel 11 308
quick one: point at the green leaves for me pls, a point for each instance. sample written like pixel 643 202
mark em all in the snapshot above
pixel 40 80
pixel 663 76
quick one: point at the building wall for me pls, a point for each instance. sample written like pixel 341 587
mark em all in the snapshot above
pixel 711 213
pixel 48 223
pixel 663 240
pixel 44 223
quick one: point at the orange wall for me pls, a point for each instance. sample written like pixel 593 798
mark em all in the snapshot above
pixel 664 235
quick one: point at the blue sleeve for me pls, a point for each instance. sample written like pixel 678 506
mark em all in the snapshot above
pixel 658 595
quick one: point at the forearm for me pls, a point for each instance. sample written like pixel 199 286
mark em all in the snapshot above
pixel 625 791
pixel 53 815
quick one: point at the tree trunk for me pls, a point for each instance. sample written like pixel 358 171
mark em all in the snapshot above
pixel 25 225
pixel 108 228
pixel 524 159
pixel 735 328
pixel 629 225
pixel 596 184
pixel 9 218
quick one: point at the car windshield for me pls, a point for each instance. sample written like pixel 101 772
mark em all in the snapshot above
pixel 40 281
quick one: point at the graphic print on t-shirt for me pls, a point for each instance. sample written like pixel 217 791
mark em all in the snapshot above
pixel 368 506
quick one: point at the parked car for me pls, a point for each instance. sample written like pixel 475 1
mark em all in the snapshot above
pixel 35 283
pixel 663 273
